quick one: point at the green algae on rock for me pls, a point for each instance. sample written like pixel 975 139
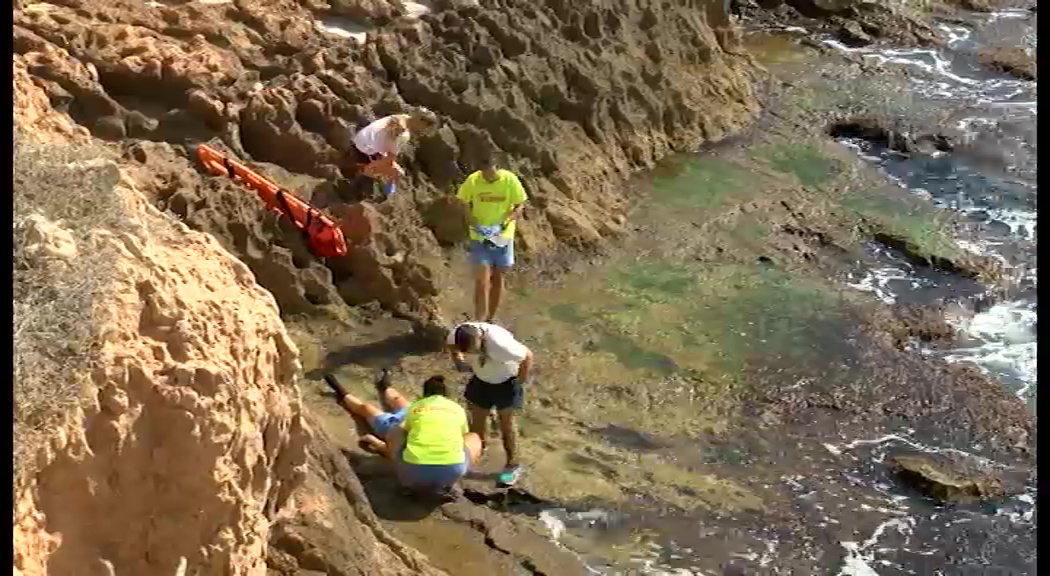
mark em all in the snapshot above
pixel 805 161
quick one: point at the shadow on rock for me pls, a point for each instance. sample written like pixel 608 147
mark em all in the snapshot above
pixel 389 500
pixel 386 352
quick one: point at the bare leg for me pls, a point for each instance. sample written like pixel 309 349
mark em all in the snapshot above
pixel 495 292
pixel 361 425
pixel 509 435
pixel 395 439
pixel 481 292
pixel 384 169
pixel 357 407
pixel 479 419
pixel 393 400
pixel 369 443
pixel 473 444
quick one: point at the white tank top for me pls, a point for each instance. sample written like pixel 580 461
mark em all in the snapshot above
pixel 374 139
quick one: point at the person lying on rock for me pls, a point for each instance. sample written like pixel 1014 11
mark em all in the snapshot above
pixel 494 199
pixel 427 440
pixel 377 145
pixel 497 382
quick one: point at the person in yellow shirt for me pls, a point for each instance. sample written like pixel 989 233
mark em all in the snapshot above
pixel 427 440
pixel 494 199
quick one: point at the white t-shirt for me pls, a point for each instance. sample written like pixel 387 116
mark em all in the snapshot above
pixel 501 354
pixel 374 138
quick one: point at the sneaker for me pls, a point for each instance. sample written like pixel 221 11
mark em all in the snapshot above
pixel 336 386
pixel 510 475
pixel 383 381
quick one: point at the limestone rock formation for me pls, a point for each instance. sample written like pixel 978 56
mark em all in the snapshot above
pixel 574 96
pixel 192 436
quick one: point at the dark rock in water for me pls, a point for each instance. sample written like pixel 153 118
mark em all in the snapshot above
pixel 927 323
pixel 1014 61
pixel 734 569
pixel 981 5
pixel 928 143
pixel 951 479
pixel 998 227
pixel 868 19
pixel 883 131
pixel 979 215
pixel 852 34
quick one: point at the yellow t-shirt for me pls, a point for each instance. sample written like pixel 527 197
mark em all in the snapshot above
pixel 489 202
pixel 436 426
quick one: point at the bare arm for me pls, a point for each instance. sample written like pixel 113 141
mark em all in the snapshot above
pixel 458 359
pixel 513 213
pixel 518 198
pixel 525 368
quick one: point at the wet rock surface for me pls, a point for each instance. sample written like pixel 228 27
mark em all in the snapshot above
pixel 1015 61
pixel 855 22
pixel 951 480
pixel 751 457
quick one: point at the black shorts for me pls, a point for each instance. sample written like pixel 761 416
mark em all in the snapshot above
pixel 359 159
pixel 502 396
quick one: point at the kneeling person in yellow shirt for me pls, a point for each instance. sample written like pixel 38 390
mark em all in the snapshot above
pixel 427 440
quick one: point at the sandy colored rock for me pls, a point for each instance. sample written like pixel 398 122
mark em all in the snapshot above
pixel 192 435
pixel 33 109
pixel 47 241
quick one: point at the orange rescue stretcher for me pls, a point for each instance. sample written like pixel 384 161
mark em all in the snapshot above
pixel 323 235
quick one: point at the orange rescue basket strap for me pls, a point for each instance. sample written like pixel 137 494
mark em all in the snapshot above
pixel 322 235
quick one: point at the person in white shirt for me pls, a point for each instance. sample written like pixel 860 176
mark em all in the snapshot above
pixel 377 145
pixel 501 369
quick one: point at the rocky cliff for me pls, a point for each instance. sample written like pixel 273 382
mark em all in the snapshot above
pixel 189 440
pixel 576 96
pixel 189 443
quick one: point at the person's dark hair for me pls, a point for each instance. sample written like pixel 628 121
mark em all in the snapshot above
pixel 435 386
pixel 467 337
pixel 488 159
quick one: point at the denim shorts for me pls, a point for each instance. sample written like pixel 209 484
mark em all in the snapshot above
pixel 431 476
pixel 382 423
pixel 488 254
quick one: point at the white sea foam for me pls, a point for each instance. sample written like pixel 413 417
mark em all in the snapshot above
pixel 1002 341
pixel 1011 13
pixel 903 439
pixel 926 59
pixel 956 34
pixel 861 555
pixel 878 281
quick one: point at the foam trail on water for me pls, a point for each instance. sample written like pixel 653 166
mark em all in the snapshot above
pixel 928 60
pixel 1002 341
pixel 860 555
